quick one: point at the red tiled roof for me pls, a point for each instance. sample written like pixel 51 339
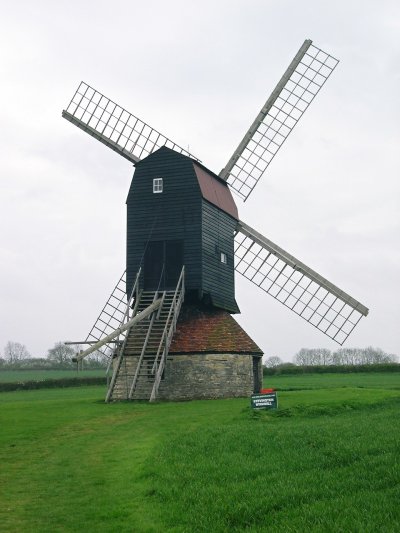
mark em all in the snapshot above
pixel 210 330
pixel 215 191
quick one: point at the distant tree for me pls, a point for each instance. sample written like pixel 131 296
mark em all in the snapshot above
pixel 273 361
pixel 343 356
pixel 313 356
pixel 14 352
pixel 96 359
pixel 325 356
pixel 377 356
pixel 362 356
pixel 301 358
pixel 61 354
pixel 347 356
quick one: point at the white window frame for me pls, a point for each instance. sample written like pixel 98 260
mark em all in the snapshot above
pixel 157 185
pixel 224 258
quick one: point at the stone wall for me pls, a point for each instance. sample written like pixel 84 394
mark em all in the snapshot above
pixel 202 376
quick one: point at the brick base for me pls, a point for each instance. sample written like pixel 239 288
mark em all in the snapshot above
pixel 210 376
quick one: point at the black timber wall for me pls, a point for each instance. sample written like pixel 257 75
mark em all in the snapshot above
pixel 218 236
pixel 181 213
pixel 173 214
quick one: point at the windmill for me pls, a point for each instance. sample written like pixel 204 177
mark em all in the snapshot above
pixel 184 243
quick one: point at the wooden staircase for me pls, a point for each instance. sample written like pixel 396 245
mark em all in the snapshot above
pixel 139 365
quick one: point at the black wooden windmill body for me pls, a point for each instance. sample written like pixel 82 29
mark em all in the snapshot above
pixel 185 240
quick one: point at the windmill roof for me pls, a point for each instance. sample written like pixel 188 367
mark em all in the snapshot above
pixel 215 190
pixel 210 330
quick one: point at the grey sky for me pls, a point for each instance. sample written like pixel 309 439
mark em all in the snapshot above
pixel 198 72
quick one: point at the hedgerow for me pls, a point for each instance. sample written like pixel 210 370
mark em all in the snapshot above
pixel 52 383
pixel 325 369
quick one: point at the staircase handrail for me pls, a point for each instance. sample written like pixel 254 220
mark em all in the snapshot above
pixel 120 347
pixel 146 340
pixel 135 288
pixel 153 317
pixel 168 332
pixel 180 280
pixel 143 314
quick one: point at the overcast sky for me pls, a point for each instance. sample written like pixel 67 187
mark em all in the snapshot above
pixel 198 72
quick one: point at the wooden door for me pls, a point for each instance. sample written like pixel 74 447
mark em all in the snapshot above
pixel 153 265
pixel 163 263
pixel 173 262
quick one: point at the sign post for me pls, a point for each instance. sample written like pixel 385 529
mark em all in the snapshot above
pixel 266 399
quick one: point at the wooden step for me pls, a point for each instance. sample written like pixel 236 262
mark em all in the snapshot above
pixel 133 348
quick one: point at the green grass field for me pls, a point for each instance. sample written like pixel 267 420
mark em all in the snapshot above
pixel 8 376
pixel 326 461
pixel 374 380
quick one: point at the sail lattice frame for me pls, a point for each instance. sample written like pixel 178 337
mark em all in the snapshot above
pixel 295 285
pixel 298 87
pixel 114 126
pixel 115 312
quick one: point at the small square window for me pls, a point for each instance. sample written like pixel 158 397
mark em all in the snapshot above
pixel 224 259
pixel 157 185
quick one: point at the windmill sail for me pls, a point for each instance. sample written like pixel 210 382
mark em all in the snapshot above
pixel 114 126
pixel 294 284
pixel 299 85
pixel 115 312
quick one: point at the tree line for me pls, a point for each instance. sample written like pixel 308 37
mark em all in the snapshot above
pixel 340 357
pixel 16 356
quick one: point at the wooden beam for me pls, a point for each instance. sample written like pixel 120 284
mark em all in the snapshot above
pixel 137 318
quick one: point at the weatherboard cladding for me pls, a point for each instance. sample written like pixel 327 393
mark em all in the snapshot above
pixel 172 215
pixel 210 330
pixel 184 211
pixel 218 237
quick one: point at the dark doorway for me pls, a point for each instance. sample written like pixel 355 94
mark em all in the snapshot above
pixel 163 263
pixel 153 264
pixel 256 374
pixel 173 262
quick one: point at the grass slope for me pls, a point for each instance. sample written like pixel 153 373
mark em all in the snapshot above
pixel 327 460
pixel 380 380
